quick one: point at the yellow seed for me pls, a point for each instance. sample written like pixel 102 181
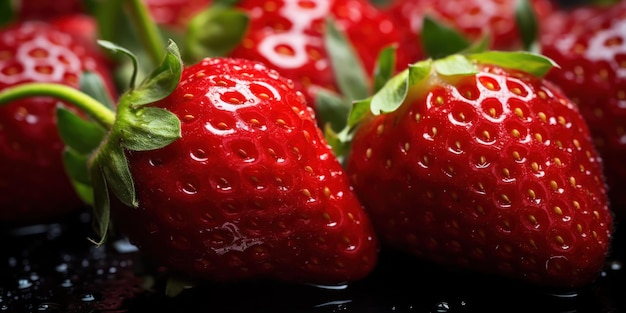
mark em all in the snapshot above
pixel 506 172
pixel 327 192
pixel 518 112
pixel 308 169
pixel 543 117
pixel 542 94
pixel 576 204
pixel 439 100
pixel 532 219
pixel 418 117
pixel 306 192
pixel 534 166
pixel 188 96
pixel 368 153
pixel 517 156
pixel 558 210
pixel 486 135
pixel 492 112
pixel 561 120
pixel 557 161
pixel 532 194
pixel 539 137
pixel 379 129
pixel 554 185
pixel 572 181
pixel 506 199
pixel 515 133
pixel 559 239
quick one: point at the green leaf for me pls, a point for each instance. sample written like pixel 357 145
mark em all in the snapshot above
pixel 528 62
pixel 440 40
pixel 7 12
pixel 102 205
pixel 385 67
pixel 527 24
pixel 349 73
pixel 331 109
pixel 76 167
pixel 112 161
pixel 107 15
pixel 117 49
pixel 149 128
pixel 79 134
pixel 360 110
pixel 455 64
pixel 162 81
pixel 214 32
pixel 392 95
pixel 93 85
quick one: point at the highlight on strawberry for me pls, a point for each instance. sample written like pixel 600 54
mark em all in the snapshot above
pixel 474 161
pixel 217 171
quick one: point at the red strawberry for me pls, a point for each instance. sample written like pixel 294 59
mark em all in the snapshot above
pixel 224 175
pixel 45 9
pixel 472 18
pixel 289 36
pixel 32 184
pixel 484 167
pixel 592 56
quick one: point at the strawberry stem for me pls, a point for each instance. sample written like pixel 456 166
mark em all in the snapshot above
pixel 99 112
pixel 148 30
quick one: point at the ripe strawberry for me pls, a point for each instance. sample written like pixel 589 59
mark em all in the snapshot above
pixel 289 36
pixel 221 173
pixel 481 166
pixel 45 9
pixel 472 18
pixel 33 184
pixel 592 56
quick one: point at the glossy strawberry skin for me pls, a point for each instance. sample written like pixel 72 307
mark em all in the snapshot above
pixel 33 183
pixel 289 36
pixel 592 73
pixel 494 173
pixel 251 190
pixel 472 18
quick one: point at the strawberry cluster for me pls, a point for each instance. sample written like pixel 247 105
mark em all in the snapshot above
pixel 295 140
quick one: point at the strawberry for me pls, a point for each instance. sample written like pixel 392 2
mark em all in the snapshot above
pixel 470 162
pixel 592 56
pixel 472 18
pixel 45 9
pixel 290 37
pixel 32 181
pixel 221 173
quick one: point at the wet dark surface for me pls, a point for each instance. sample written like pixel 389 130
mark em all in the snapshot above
pixel 54 268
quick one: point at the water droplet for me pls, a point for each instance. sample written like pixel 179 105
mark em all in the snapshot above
pixel 61 268
pixel 88 297
pixel 66 283
pixel 24 283
pixel 48 307
pixel 442 307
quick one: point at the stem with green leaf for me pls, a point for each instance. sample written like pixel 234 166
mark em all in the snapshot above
pixel 148 30
pixel 99 112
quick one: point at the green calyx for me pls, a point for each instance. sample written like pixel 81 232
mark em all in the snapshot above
pixel 394 92
pixel 95 156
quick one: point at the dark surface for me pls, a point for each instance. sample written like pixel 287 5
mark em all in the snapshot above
pixel 54 268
